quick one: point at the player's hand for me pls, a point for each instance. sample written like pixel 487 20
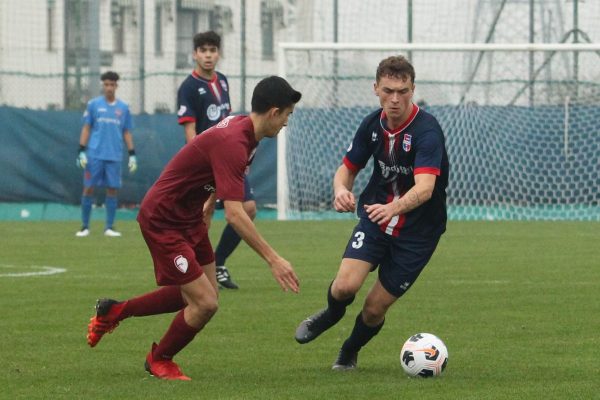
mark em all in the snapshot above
pixel 132 164
pixel 284 275
pixel 81 160
pixel 344 201
pixel 381 213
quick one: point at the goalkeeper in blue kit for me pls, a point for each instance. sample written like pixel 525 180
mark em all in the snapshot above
pixel 106 125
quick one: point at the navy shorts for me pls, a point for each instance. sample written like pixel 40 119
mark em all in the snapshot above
pixel 400 260
pixel 248 194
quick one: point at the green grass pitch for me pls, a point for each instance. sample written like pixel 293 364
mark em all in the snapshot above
pixel 517 304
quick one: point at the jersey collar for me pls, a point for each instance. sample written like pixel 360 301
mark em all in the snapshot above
pixel 197 76
pixel 411 117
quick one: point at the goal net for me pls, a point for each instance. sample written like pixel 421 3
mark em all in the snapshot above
pixel 521 125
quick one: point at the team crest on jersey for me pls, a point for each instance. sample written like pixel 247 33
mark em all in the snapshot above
pixel 181 263
pixel 407 142
pixel 223 85
pixel 118 113
pixel 224 122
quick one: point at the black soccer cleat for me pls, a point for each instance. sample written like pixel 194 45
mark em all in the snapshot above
pixel 224 278
pixel 346 361
pixel 313 326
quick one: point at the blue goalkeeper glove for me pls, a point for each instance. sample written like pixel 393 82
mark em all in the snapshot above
pixel 81 158
pixel 132 164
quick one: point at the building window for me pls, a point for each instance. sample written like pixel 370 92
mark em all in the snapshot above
pixel 271 19
pixel 189 22
pixel 268 33
pixel 158 22
pixel 51 15
pixel 118 27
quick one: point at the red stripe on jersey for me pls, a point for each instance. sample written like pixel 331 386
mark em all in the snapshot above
pixel 183 120
pixel 352 167
pixel 411 117
pixel 427 170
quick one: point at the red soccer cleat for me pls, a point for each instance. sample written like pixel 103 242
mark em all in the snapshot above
pixel 164 369
pixel 105 320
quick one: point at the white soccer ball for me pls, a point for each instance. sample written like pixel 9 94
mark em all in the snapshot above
pixel 424 355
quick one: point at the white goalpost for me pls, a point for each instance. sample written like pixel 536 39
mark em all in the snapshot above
pixel 521 124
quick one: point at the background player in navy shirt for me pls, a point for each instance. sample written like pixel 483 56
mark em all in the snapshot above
pixel 203 100
pixel 402 209
pixel 106 124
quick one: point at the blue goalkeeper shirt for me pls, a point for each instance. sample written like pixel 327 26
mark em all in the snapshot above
pixel 108 122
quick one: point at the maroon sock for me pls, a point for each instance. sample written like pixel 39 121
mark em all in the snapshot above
pixel 177 337
pixel 166 299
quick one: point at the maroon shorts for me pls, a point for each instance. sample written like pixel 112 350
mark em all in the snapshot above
pixel 178 256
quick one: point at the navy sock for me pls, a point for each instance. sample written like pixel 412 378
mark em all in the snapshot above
pixel 361 334
pixel 337 308
pixel 227 244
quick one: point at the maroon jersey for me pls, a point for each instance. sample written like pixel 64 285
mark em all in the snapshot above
pixel 216 160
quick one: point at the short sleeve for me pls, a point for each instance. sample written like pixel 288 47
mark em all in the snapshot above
pixel 88 114
pixel 360 151
pixel 185 104
pixel 428 157
pixel 229 164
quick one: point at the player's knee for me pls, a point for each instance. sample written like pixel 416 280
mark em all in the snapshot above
pixel 205 307
pixel 250 208
pixel 343 289
pixel 373 313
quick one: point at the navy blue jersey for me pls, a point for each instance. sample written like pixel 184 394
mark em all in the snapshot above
pixel 414 148
pixel 205 102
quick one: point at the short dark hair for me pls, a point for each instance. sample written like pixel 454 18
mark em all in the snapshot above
pixel 210 38
pixel 109 76
pixel 395 67
pixel 273 91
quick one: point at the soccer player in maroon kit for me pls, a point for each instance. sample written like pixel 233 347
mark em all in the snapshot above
pixel 171 221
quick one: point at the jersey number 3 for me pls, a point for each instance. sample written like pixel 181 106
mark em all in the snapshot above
pixel 360 237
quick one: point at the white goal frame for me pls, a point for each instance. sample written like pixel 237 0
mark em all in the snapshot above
pixel 282 173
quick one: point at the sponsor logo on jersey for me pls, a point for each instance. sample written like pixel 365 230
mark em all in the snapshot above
pixel 406 142
pixel 182 110
pixel 213 112
pixel 387 170
pixel 223 85
pixel 181 263
pixel 201 91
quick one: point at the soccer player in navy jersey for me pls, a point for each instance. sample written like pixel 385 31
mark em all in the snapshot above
pixel 172 223
pixel 402 210
pixel 106 124
pixel 203 100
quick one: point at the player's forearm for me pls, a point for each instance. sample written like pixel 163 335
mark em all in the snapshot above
pixel 244 227
pixel 343 179
pixel 417 195
pixel 190 131
pixel 84 137
pixel 128 140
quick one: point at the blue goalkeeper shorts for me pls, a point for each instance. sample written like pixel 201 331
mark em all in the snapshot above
pixel 102 173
